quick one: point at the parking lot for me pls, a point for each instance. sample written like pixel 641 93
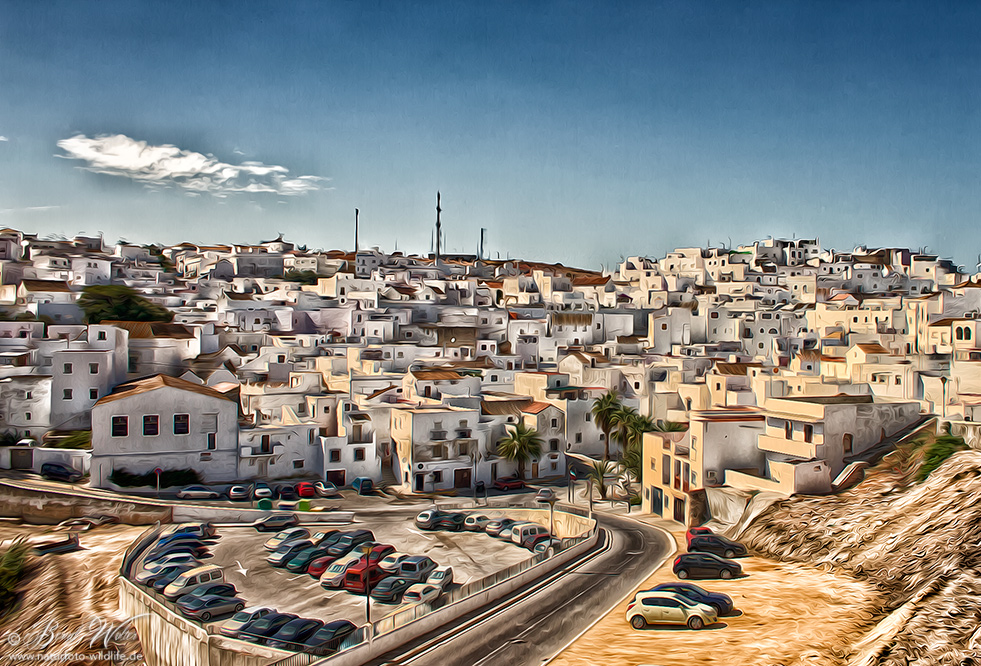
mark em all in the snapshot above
pixel 472 556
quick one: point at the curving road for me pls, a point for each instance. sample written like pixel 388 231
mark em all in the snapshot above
pixel 532 624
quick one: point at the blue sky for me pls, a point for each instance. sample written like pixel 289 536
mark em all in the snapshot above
pixel 573 131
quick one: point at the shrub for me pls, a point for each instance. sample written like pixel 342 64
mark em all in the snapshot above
pixel 169 478
pixel 13 562
pixel 77 439
pixel 937 452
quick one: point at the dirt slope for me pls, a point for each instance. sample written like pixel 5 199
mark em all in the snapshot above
pixel 917 545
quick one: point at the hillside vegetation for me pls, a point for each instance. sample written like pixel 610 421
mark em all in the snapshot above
pixel 912 531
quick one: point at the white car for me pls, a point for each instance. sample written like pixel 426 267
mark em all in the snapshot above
pixel 197 492
pixel 392 562
pixel 442 578
pixel 475 523
pixel 290 534
pixel 421 593
pixel 152 568
pixel 333 577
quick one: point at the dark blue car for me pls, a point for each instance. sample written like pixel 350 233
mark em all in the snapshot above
pixel 722 603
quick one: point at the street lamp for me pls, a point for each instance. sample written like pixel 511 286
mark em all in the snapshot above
pixel 943 384
pixel 547 496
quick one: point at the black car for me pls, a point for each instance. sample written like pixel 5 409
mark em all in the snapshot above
pixel 267 625
pixel 213 589
pixel 348 541
pixel 276 522
pixel 57 472
pixel 184 537
pixel 452 522
pixel 173 570
pixel 195 550
pixel 390 589
pixel 705 565
pixel 722 603
pixel 329 637
pixel 293 632
pixel 160 583
pixel 286 492
pixel 717 545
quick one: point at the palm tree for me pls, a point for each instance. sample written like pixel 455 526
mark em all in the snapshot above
pixel 620 422
pixel 603 410
pixel 669 426
pixel 598 473
pixel 520 445
pixel 634 445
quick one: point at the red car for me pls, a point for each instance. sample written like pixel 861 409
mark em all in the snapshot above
pixel 376 555
pixel 318 566
pixel 305 489
pixel 694 532
pixel 508 483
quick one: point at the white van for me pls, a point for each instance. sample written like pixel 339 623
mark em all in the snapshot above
pixel 333 577
pixel 524 532
pixel 189 580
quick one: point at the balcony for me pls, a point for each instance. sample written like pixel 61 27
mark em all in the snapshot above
pixel 464 433
pixel 789 447
pixel 437 435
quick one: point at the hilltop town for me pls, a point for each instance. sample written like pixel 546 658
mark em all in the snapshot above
pixel 775 363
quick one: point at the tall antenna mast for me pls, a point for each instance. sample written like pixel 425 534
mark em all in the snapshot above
pixel 483 234
pixel 357 221
pixel 439 225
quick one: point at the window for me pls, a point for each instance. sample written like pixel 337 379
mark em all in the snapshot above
pixel 555 423
pixel 578 438
pixel 808 433
pixel 28 395
pixel 212 441
pixel 297 464
pixel 151 425
pixel 27 416
pixel 437 477
pixel 93 368
pixel 102 335
pixel 182 424
pixel 788 430
pixel 68 368
pixel 93 394
pixel 335 455
pixel 359 454
pixel 120 426
pixel 67 394
pixel 205 456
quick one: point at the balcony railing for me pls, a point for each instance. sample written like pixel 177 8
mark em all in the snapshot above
pixel 437 435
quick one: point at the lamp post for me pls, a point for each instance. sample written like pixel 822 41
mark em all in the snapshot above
pixel 548 496
pixel 943 384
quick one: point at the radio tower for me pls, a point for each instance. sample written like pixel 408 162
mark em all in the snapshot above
pixel 439 226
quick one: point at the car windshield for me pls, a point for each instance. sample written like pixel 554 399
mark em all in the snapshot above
pixel 292 629
pixel 337 568
pixel 437 575
pixel 241 617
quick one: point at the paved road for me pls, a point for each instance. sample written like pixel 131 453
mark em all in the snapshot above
pixel 531 625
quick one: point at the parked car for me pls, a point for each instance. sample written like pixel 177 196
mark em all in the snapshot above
pixel 722 603
pixel 507 532
pixel 167 576
pixel 451 522
pixel 185 537
pixel 234 624
pixel 294 632
pixel 717 545
pixel 209 606
pixel 421 593
pixel 261 490
pixel 319 565
pixel 329 637
pixel 169 572
pixel 508 483
pixel 333 577
pixel 211 590
pixel 417 568
pixel 191 579
pixel 441 577
pixel 705 565
pixel 696 531
pixel 197 492
pixel 494 527
pixel 392 561
pixel 475 523
pixel 348 541
pixel 542 545
pixel 239 493
pixel 305 489
pixel 276 522
pixel 281 537
pixel 287 551
pixel 390 589
pixel 361 577
pixel 428 518
pixel 151 568
pixel 197 551
pixel 285 492
pixel 267 625
pixel 325 489
pixel 363 485
pixel 375 554
pixel 53 471
pixel 545 495
pixel 326 537
pixel 301 560
pixel 668 608
pixel 521 534
pixel 203 530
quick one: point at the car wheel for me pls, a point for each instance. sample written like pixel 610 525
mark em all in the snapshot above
pixel 695 623
pixel 239 607
pixel 638 622
pixel 682 573
pixel 205 617
pixel 717 609
pixel 729 554
pixel 726 574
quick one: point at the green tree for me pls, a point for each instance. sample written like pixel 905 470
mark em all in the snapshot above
pixel 603 410
pixel 115 302
pixel 598 473
pixel 302 277
pixel 520 445
pixel 621 422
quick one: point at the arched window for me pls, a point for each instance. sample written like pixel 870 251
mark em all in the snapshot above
pixel 959 333
pixel 967 334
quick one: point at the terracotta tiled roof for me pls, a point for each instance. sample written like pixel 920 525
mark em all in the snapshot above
pixel 536 408
pixel 139 386
pixel 152 329
pixel 45 285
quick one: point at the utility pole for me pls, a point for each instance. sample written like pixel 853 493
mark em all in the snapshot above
pixel 357 222
pixel 439 226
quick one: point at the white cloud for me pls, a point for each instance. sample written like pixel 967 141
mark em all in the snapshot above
pixel 168 165
pixel 29 209
pixel 3 138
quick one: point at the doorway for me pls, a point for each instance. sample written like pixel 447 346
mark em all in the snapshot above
pixel 679 510
pixel 461 477
pixel 420 482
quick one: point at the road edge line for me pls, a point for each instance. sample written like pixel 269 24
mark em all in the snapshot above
pixel 667 556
